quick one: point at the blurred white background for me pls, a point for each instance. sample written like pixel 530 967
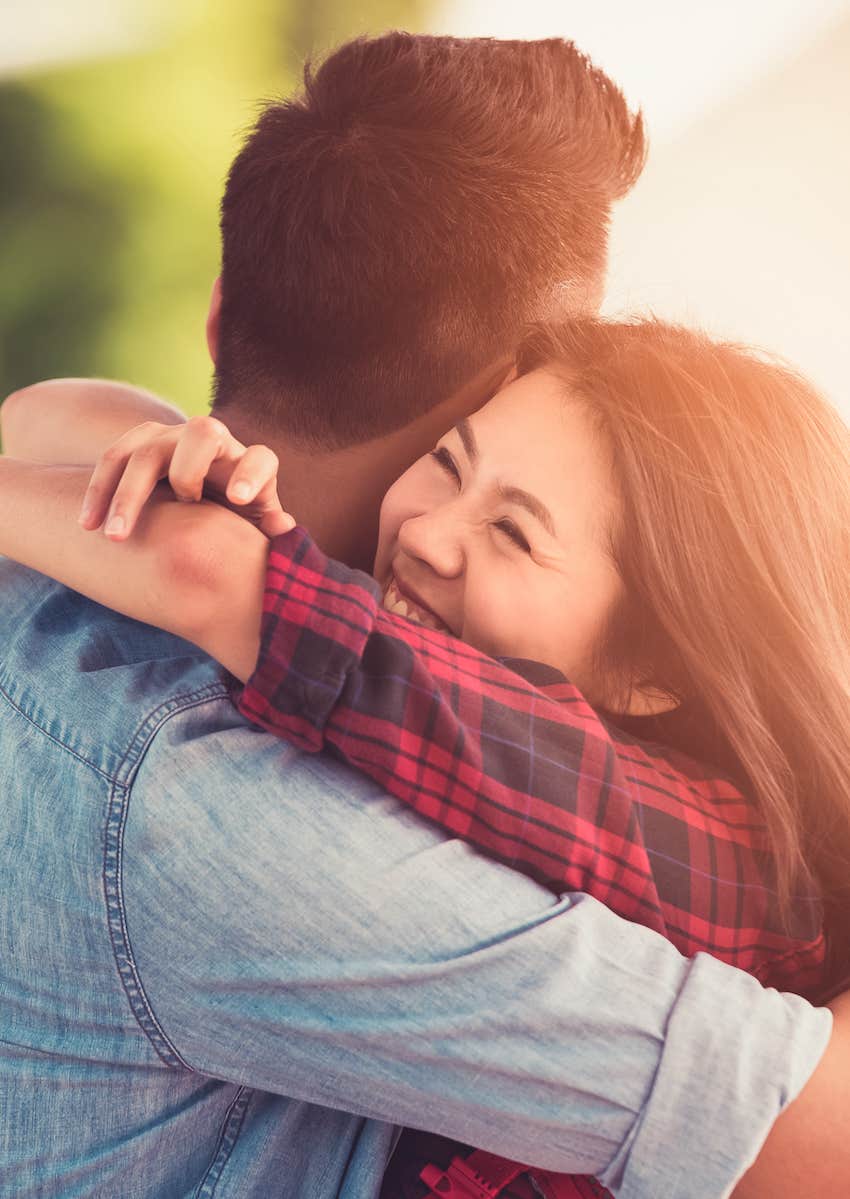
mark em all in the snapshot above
pixel 739 222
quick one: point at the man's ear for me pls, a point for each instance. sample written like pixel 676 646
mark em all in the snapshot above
pixel 213 318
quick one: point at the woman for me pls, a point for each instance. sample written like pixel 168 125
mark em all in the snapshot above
pixel 658 517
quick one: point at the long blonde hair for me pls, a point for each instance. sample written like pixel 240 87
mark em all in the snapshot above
pixel 734 547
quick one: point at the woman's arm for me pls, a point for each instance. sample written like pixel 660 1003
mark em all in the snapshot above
pixel 74 420
pixel 462 739
pixel 533 777
pixel 168 564
pixel 522 767
pixel 188 568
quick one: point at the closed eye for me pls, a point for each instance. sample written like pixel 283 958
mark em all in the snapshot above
pixel 510 530
pixel 442 456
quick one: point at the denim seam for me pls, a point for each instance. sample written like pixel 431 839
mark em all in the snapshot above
pixel 227 1139
pixel 113 851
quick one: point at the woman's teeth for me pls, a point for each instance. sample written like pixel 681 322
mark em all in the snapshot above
pixel 394 602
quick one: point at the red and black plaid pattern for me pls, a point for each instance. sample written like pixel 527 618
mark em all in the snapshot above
pixel 528 773
pixel 512 758
pixel 437 1154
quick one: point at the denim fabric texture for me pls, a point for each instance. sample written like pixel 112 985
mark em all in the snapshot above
pixel 231 969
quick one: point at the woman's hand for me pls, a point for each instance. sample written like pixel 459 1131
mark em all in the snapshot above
pixel 196 570
pixel 201 453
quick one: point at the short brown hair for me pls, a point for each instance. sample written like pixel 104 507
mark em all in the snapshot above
pixel 387 233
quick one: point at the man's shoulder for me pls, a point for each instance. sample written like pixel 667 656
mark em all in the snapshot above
pixel 93 681
pixel 139 706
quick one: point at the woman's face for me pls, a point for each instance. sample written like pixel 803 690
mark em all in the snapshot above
pixel 500 535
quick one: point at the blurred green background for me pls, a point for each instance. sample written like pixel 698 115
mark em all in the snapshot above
pixel 110 176
pixel 112 165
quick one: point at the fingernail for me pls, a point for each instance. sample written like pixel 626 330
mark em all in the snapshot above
pixel 85 513
pixel 241 491
pixel 114 525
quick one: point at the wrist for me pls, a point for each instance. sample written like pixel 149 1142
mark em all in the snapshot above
pixel 212 567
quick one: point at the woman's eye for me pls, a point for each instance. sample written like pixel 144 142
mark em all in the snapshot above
pixel 442 456
pixel 510 530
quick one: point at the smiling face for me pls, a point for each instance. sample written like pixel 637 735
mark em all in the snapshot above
pixel 501 534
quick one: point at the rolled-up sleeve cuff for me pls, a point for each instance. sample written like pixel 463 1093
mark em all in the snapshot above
pixel 704 1123
pixel 317 617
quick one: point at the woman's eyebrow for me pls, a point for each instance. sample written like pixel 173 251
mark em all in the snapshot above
pixel 464 432
pixel 511 495
pixel 524 499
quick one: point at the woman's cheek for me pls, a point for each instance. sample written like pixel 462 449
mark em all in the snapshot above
pixel 382 554
pixel 521 624
pixel 494 622
pixel 396 507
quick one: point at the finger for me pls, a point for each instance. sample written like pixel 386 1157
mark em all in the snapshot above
pixel 108 471
pixel 254 471
pixel 255 481
pixel 145 467
pixel 271 518
pixel 275 523
pixel 205 440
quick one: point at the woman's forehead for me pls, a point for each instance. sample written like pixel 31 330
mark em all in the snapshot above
pixel 535 423
pixel 533 434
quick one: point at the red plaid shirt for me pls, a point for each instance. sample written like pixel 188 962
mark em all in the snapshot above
pixel 525 770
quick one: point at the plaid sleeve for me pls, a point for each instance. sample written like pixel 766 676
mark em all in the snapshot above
pixel 531 776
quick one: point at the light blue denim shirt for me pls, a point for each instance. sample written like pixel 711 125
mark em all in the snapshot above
pixel 230 969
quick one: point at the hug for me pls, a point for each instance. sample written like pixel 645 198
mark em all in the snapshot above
pixel 454 839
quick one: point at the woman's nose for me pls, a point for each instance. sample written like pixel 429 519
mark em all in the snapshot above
pixel 435 538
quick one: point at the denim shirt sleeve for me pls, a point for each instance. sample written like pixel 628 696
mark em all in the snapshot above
pixel 284 924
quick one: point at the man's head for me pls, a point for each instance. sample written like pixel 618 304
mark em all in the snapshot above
pixel 387 234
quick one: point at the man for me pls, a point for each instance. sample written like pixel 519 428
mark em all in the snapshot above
pixel 215 947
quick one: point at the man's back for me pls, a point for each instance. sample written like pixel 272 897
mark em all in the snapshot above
pixel 95 1102
pixel 210 940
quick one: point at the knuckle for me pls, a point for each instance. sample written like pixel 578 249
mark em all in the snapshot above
pixel 208 426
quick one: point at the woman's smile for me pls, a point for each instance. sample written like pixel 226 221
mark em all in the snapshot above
pixel 501 534
pixel 399 600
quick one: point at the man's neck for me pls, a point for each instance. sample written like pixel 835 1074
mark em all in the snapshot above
pixel 336 494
